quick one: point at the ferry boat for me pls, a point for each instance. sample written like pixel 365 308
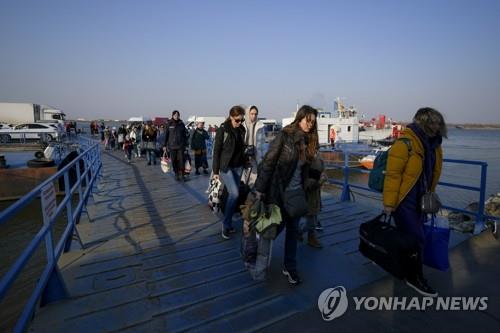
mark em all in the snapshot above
pixel 345 125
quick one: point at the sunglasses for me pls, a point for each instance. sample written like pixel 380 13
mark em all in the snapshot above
pixel 239 120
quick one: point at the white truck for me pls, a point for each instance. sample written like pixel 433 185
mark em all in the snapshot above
pixel 22 113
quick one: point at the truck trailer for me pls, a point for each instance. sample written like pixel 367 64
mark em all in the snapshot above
pixel 21 113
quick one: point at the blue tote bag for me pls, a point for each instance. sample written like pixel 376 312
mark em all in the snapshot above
pixel 437 238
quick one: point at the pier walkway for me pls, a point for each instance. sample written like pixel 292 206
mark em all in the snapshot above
pixel 154 261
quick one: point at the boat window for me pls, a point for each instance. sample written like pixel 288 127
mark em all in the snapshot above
pixel 348 128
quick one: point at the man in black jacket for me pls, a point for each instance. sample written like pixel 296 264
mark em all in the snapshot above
pixel 175 143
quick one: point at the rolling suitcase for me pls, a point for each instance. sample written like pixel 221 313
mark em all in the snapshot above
pixel 395 251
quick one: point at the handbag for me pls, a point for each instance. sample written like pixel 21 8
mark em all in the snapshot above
pixel 295 202
pixel 214 192
pixel 429 202
pixel 393 250
pixel 437 238
pixel 165 163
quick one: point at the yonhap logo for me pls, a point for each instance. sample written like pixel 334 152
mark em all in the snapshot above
pixel 332 303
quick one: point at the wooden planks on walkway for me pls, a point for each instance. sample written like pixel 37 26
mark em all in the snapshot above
pixel 154 261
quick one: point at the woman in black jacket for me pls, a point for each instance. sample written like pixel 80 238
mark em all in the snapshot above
pixel 228 161
pixel 281 172
pixel 149 140
pixel 199 137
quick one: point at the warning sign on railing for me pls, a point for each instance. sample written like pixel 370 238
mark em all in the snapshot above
pixel 49 203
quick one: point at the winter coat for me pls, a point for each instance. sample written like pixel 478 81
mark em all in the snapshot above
pixel 278 166
pixel 199 139
pixel 224 148
pixel 176 135
pixel 313 179
pixel 149 135
pixel 404 168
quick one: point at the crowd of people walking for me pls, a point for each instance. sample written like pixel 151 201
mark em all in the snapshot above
pixel 290 173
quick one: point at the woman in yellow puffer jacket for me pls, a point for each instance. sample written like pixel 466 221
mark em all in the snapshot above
pixel 408 164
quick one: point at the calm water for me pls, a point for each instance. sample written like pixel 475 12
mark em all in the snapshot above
pixel 470 145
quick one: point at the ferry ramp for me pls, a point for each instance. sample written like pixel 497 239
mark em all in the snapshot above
pixel 154 261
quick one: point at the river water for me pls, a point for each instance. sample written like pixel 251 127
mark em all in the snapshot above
pixel 469 145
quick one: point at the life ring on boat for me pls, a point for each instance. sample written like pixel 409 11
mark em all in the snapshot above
pixel 40 163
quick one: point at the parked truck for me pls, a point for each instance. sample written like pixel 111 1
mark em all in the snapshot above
pixel 21 113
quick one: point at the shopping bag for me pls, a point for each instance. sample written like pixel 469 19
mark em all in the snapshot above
pixel 165 163
pixel 437 238
pixel 214 192
pixel 187 163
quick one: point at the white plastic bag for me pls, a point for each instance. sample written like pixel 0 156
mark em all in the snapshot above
pixel 165 163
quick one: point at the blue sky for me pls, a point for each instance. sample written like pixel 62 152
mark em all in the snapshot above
pixel 120 58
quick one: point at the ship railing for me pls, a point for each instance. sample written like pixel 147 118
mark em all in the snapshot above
pixel 50 286
pixel 480 215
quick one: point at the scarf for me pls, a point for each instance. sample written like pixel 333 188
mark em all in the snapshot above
pixel 430 145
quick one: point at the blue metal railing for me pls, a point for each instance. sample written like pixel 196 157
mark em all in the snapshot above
pixel 50 286
pixel 480 215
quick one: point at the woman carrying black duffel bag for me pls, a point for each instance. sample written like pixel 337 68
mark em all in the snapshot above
pixel 411 176
pixel 280 179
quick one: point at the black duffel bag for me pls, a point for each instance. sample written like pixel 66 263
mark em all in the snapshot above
pixel 393 250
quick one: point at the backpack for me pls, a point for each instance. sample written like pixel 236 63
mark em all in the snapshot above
pixel 377 174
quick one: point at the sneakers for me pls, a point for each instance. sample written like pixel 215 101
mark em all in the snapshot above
pixel 225 233
pixel 420 285
pixel 197 172
pixel 292 276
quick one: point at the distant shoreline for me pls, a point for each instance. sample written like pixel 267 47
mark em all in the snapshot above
pixel 475 126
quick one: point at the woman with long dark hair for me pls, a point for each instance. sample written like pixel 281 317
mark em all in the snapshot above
pixel 281 172
pixel 228 161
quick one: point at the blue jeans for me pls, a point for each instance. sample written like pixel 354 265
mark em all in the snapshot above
pixel 231 180
pixel 151 156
